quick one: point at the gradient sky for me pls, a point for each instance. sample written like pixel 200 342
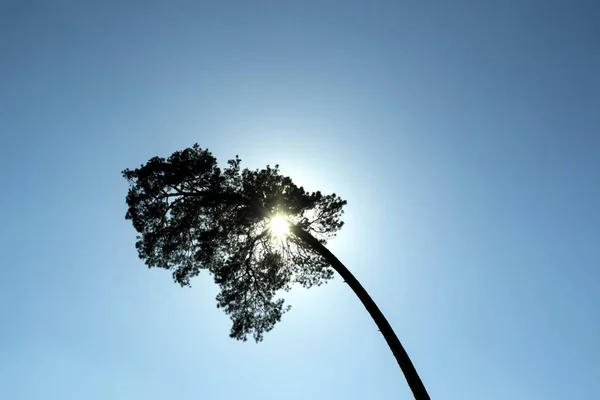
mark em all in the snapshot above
pixel 465 136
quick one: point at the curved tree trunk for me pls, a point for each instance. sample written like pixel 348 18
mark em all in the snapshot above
pixel 406 365
pixel 408 369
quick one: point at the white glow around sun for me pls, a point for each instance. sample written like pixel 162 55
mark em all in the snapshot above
pixel 279 226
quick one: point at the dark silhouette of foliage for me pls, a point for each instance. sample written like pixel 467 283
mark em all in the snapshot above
pixel 192 216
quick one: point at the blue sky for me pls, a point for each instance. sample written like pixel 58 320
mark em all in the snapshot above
pixel 465 136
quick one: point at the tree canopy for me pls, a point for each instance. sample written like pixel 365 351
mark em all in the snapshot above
pixel 191 215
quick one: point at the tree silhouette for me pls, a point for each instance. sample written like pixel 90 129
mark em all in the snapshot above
pixel 191 215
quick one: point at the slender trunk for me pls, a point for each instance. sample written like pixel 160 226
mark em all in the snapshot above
pixel 406 365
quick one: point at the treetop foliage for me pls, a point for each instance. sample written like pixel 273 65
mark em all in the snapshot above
pixel 191 215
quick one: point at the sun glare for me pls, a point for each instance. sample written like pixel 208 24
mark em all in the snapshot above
pixel 279 227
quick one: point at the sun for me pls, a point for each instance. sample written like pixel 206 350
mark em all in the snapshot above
pixel 279 226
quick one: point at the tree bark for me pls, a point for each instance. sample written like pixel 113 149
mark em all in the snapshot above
pixel 406 365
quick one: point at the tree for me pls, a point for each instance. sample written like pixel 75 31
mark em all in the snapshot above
pixel 191 215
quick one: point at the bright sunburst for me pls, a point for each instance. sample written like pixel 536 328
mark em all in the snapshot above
pixel 279 227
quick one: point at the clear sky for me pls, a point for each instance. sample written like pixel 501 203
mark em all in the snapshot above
pixel 465 136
